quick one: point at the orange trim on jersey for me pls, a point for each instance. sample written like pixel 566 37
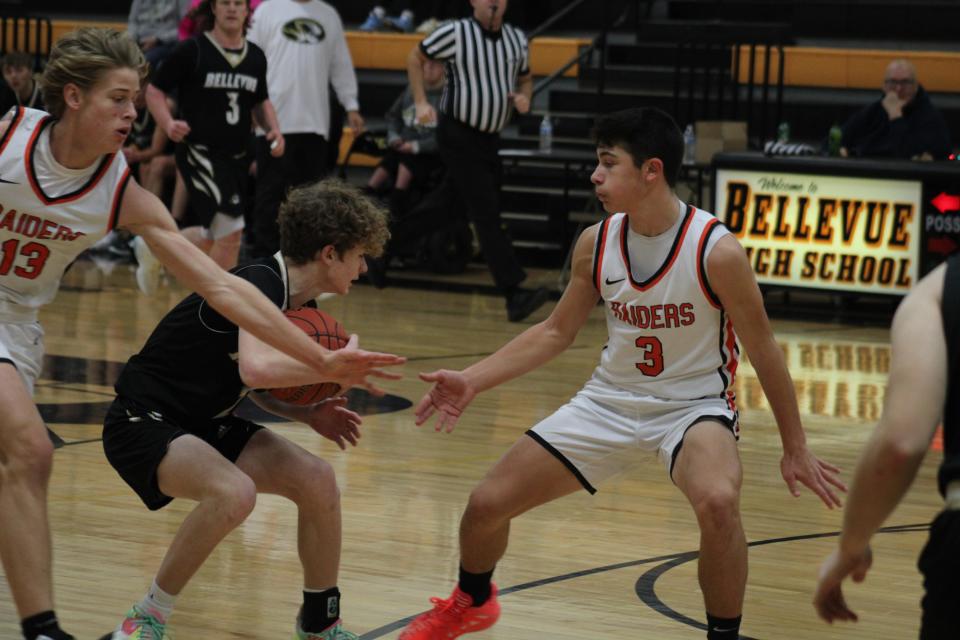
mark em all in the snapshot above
pixel 667 264
pixel 732 363
pixel 17 119
pixel 35 184
pixel 701 266
pixel 598 257
pixel 118 200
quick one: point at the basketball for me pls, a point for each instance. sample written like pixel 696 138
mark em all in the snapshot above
pixel 327 332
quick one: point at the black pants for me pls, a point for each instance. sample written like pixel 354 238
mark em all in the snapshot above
pixel 940 565
pixel 304 160
pixel 471 184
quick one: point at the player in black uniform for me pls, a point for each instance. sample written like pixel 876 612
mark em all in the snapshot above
pixel 170 432
pixel 220 81
pixel 924 386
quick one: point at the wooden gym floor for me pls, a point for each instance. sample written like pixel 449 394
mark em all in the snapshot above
pixel 616 565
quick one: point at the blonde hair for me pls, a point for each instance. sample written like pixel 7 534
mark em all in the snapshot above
pixel 81 57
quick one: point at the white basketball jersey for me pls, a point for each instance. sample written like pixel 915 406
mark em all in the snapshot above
pixel 40 234
pixel 669 336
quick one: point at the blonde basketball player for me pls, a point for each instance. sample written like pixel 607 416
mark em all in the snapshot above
pixel 62 187
pixel 675 285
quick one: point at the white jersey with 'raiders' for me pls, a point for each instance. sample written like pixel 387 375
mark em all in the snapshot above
pixel 669 336
pixel 41 234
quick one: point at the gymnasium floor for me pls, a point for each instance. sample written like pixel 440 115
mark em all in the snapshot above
pixel 613 566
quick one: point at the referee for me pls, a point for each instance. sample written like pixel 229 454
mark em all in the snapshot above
pixel 487 68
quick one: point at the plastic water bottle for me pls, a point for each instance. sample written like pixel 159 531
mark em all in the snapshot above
pixel 546 134
pixel 689 145
pixel 835 140
pixel 783 132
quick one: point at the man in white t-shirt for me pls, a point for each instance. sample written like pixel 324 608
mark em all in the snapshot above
pixel 306 53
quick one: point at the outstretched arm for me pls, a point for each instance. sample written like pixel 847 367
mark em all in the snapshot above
pixel 236 299
pixel 454 390
pixel 916 392
pixel 733 281
pixel 263 367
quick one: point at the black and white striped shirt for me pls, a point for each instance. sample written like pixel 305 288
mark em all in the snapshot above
pixel 482 68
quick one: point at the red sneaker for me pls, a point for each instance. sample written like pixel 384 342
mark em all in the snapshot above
pixel 453 617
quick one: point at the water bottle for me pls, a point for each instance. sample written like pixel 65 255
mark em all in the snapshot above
pixel 546 134
pixel 689 145
pixel 783 132
pixel 834 140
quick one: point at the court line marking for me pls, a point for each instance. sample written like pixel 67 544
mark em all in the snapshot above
pixel 667 562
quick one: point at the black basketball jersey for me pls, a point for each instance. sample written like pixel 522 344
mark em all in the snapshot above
pixel 141 135
pixel 187 370
pixel 216 90
pixel 950 469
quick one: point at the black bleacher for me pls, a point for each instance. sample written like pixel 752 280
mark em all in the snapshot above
pixel 852 19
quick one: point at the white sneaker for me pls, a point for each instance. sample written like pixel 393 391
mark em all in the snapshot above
pixel 148 267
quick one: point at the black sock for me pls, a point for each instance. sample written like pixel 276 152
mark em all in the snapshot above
pixel 43 623
pixel 320 609
pixel 723 628
pixel 476 585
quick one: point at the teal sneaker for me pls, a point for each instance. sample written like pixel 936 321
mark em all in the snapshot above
pixel 333 632
pixel 139 625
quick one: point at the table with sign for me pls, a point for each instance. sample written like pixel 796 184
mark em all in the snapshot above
pixel 839 225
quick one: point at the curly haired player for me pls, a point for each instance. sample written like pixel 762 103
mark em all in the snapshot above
pixel 171 433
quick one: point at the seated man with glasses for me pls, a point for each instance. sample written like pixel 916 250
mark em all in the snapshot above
pixel 902 124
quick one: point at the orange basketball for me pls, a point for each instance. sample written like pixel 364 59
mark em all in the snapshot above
pixel 326 331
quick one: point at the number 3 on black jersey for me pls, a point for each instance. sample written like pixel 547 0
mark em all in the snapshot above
pixel 233 114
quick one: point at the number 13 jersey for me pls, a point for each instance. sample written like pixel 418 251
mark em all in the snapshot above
pixel 669 336
pixel 42 233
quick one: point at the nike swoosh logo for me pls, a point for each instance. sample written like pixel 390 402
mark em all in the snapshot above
pixel 609 281
pixel 8 181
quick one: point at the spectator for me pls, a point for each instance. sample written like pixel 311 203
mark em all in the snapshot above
pixel 412 153
pixel 153 25
pixel 378 19
pixel 306 51
pixel 18 74
pixel 221 83
pixel 922 391
pixel 901 124
pixel 488 76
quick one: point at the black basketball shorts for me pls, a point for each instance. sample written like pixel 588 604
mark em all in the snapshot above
pixel 136 440
pixel 940 565
pixel 216 183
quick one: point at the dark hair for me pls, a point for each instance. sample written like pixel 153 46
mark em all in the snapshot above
pixel 202 15
pixel 18 59
pixel 645 133
pixel 330 212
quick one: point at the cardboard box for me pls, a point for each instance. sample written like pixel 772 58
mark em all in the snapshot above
pixel 714 136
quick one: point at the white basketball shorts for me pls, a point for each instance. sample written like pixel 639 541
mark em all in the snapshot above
pixel 22 344
pixel 605 429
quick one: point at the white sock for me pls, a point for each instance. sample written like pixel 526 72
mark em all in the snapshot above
pixel 408 14
pixel 158 603
pixel 379 12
